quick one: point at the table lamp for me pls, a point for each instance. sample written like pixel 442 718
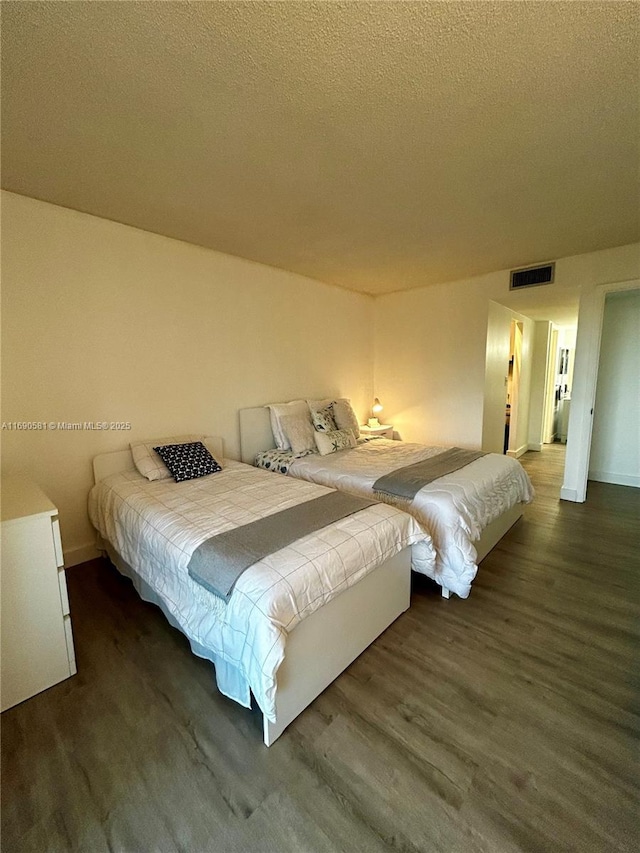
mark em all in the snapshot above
pixel 375 411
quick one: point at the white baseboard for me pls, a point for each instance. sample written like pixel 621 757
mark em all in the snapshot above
pixel 536 447
pixel 615 479
pixel 569 495
pixel 516 454
pixel 81 554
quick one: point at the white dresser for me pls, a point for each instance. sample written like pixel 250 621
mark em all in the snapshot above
pixel 37 642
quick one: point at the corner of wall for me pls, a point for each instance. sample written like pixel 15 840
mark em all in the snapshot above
pixel 80 554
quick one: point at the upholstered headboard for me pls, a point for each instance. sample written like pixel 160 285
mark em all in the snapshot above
pixel 255 433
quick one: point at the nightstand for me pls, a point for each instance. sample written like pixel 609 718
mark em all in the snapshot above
pixel 383 430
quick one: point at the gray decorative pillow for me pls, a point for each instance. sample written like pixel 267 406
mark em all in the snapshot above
pixel 345 417
pixel 337 439
pixel 323 421
pixel 299 431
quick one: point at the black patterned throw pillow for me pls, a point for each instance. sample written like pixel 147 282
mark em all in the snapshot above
pixel 188 461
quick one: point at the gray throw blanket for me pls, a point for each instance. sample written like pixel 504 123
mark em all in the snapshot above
pixel 404 483
pixel 218 562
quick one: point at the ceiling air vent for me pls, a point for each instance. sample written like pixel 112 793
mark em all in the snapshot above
pixel 532 276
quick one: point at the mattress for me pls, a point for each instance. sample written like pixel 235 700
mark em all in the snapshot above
pixel 454 509
pixel 155 527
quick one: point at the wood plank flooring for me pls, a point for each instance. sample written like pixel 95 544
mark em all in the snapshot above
pixel 507 722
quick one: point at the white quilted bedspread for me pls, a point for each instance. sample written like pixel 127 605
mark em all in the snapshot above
pixel 454 509
pixel 156 526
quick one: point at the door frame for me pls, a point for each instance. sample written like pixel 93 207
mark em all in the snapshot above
pixel 548 434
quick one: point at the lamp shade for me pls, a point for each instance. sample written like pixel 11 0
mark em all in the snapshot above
pixel 377 406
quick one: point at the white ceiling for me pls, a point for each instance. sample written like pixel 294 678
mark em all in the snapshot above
pixel 376 146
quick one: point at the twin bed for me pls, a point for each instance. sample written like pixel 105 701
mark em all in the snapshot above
pixel 463 514
pixel 336 588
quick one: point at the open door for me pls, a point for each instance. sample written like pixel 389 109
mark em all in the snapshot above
pixel 513 389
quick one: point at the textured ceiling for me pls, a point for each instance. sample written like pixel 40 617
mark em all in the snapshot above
pixel 376 146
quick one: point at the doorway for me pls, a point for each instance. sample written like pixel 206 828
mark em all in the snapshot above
pixel 558 384
pixel 615 449
pixel 584 388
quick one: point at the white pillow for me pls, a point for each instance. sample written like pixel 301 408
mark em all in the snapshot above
pixel 280 410
pixel 149 463
pixel 299 432
pixel 345 417
pixel 339 439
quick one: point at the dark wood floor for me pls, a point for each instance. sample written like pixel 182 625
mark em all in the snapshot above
pixel 507 722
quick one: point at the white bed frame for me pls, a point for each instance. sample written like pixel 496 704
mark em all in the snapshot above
pixel 324 644
pixel 256 435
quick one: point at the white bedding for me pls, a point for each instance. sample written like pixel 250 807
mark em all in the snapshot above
pixel 454 509
pixel 156 526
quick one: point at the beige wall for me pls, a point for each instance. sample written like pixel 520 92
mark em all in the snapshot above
pixel 430 361
pixel 102 322
pixel 431 345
